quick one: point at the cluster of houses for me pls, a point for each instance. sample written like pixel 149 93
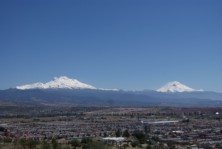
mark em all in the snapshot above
pixel 180 127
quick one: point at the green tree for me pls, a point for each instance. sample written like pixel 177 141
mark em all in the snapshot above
pixel 75 143
pixel 140 136
pixel 126 134
pixel 171 145
pixel 135 143
pixel 97 145
pixel 22 142
pixel 55 144
pixel 105 134
pixel 31 143
pixel 118 133
pixel 45 145
pixel 86 140
pixel 85 146
pixel 7 140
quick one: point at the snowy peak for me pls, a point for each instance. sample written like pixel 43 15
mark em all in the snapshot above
pixel 175 86
pixel 62 82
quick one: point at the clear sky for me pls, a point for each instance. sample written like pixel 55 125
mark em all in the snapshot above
pixel 124 44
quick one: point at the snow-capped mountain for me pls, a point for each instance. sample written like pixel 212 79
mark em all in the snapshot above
pixel 58 83
pixel 176 86
pixel 74 92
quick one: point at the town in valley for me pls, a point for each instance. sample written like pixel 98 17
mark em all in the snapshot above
pixel 110 127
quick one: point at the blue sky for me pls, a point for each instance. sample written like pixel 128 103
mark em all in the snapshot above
pixel 125 44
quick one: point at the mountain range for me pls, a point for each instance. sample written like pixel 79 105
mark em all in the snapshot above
pixel 71 92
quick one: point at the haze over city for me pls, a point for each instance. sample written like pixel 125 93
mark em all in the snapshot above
pixel 132 45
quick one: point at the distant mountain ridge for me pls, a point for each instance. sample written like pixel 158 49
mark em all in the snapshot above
pixel 71 92
pixel 64 82
pixel 93 97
